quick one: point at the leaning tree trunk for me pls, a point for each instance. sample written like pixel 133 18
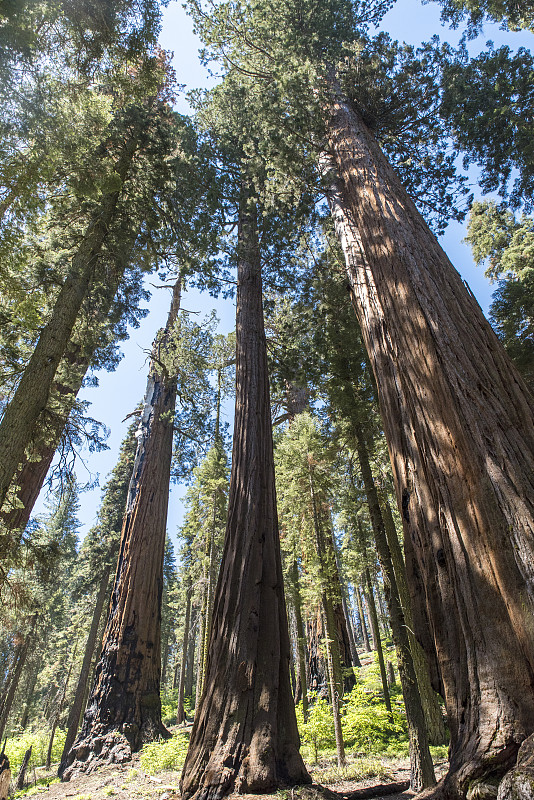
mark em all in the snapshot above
pixel 180 714
pixel 125 698
pixel 15 671
pixel 435 724
pixel 373 617
pixel 363 624
pixel 68 380
pixel 245 735
pixel 459 425
pixel 29 401
pixel 75 710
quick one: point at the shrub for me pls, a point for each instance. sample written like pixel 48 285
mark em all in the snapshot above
pixel 318 730
pixel 167 754
pixel 367 725
pixel 16 748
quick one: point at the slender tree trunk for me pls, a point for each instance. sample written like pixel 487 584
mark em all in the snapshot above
pixel 301 637
pixel 12 681
pixel 346 611
pixel 429 699
pixel 459 424
pixel 126 694
pixel 190 667
pixel 59 709
pixel 363 624
pixel 326 564
pixel 373 641
pixel 67 382
pixel 180 714
pixel 29 697
pixel 81 688
pixel 18 423
pixel 245 735
pixel 422 769
pixel 201 643
pixel 373 616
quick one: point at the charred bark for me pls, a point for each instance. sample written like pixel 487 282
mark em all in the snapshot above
pixel 245 735
pixel 125 698
pixel 459 424
pixel 76 708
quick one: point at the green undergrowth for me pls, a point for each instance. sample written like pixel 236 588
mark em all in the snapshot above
pixel 16 747
pixel 39 787
pixel 357 768
pixel 166 754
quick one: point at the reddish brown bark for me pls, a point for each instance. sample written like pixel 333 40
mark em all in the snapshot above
pixel 31 396
pixel 459 425
pixel 245 735
pixel 125 698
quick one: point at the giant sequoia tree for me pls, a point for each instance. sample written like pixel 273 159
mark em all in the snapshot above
pixel 457 417
pixel 245 733
pixel 125 696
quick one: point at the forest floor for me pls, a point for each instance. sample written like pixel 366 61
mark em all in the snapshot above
pixel 131 782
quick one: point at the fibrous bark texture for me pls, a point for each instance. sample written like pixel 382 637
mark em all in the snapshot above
pixel 245 735
pixel 124 709
pixel 459 425
pixel 18 423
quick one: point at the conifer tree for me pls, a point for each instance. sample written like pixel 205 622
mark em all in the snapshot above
pixel 457 416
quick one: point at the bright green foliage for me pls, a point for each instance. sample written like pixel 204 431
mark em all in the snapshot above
pixel 506 246
pixel 512 15
pixel 16 748
pixel 169 754
pixel 488 103
pixel 318 731
pixel 367 725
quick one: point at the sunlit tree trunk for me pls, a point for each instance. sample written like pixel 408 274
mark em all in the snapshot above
pixel 245 735
pixel 180 713
pixel 125 698
pixel 459 425
pixel 76 708
pixel 18 423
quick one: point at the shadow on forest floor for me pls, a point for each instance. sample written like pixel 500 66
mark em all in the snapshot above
pixel 131 782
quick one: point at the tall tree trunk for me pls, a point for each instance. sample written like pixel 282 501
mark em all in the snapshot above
pixel 431 706
pixel 373 630
pixel 15 671
pixel 59 709
pixel 126 694
pixel 301 637
pixel 363 624
pixel 180 714
pixel 422 769
pixel 459 424
pixel 190 666
pixel 32 682
pixel 373 616
pixel 344 601
pixel 245 735
pixel 17 427
pixel 76 708
pixel 326 564
pixel 67 382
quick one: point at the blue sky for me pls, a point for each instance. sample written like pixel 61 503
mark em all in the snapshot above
pixel 120 391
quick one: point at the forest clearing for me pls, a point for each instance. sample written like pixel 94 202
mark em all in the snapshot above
pixel 341 604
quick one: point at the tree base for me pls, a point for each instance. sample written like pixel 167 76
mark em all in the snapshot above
pixel 518 783
pixel 104 746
